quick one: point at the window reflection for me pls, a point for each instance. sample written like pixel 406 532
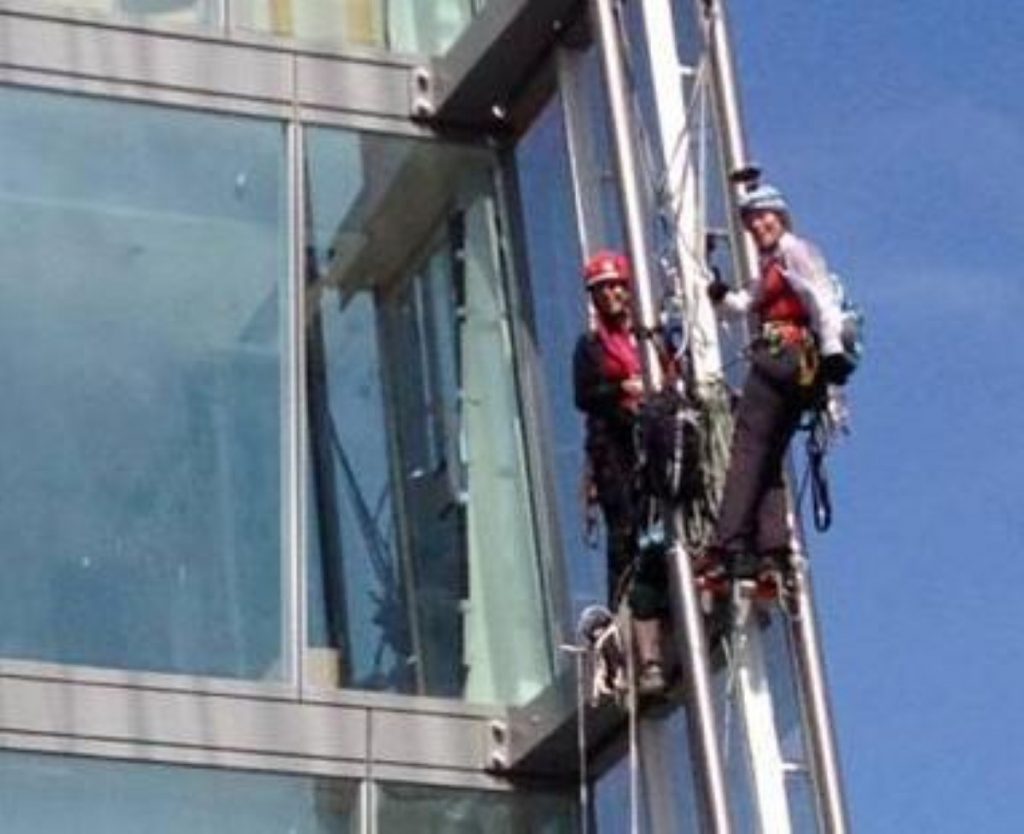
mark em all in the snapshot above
pixel 412 26
pixel 427 27
pixel 155 12
pixel 422 561
pixel 41 793
pixel 411 809
pixel 140 355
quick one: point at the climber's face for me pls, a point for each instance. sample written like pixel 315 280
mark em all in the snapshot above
pixel 611 298
pixel 765 227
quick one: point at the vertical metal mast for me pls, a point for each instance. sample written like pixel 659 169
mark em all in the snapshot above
pixel 804 626
pixel 682 180
pixel 727 104
pixel 681 142
pixel 628 171
pixel 817 709
pixel 687 616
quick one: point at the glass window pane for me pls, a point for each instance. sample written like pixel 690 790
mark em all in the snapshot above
pixel 61 795
pixel 411 26
pixel 151 12
pixel 140 353
pixel 423 570
pixel 409 809
pixel 553 250
pixel 549 221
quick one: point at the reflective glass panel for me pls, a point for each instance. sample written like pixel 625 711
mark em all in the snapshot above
pixel 423 568
pixel 549 220
pixel 409 809
pixel 427 27
pixel 140 358
pixel 171 13
pixel 411 26
pixel 559 219
pixel 62 795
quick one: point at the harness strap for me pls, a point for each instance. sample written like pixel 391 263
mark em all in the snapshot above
pixel 821 494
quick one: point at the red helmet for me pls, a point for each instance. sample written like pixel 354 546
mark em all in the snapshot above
pixel 605 266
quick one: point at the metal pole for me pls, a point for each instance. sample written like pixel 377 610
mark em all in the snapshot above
pixel 817 708
pixel 684 175
pixel 628 172
pixel 731 138
pixel 687 616
pixel 806 643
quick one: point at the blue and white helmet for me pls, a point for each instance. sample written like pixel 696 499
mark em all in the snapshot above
pixel 763 198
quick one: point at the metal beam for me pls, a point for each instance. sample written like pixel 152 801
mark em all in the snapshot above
pixel 480 81
pixel 732 140
pixel 818 725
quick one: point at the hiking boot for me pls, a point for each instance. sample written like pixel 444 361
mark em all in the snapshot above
pixel 651 681
pixel 769 586
pixel 711 581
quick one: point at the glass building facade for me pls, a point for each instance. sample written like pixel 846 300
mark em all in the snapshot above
pixel 289 465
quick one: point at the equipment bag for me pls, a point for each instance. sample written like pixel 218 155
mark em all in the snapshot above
pixel 669 446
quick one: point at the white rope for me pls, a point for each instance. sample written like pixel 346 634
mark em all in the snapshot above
pixel 581 743
pixel 631 708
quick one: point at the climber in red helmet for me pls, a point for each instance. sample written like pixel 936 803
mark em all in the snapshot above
pixel 609 389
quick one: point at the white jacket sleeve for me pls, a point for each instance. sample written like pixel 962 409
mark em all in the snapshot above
pixel 808 275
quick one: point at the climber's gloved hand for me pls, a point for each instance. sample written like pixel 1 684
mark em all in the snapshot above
pixel 836 368
pixel 717 290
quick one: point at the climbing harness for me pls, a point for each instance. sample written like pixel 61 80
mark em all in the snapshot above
pixel 778 335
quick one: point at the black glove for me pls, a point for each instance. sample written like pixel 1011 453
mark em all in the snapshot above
pixel 836 368
pixel 717 290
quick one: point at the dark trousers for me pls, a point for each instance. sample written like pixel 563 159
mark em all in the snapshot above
pixel 752 520
pixel 613 467
pixel 640 573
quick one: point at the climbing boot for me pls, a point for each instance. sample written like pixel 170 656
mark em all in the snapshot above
pixel 651 682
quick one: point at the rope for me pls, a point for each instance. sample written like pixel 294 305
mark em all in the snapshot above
pixel 666 213
pixel 631 708
pixel 579 653
pixel 581 743
pixel 821 497
pixel 815 477
pixel 730 692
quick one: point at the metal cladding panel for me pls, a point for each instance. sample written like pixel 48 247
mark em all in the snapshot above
pixel 79 716
pixel 433 740
pixel 496 58
pixel 150 58
pixel 198 65
pixel 362 87
pixel 190 756
pixel 183 719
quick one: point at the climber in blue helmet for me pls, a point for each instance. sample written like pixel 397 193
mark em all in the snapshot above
pixel 796 352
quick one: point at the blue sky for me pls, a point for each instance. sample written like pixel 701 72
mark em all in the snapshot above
pixel 897 130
